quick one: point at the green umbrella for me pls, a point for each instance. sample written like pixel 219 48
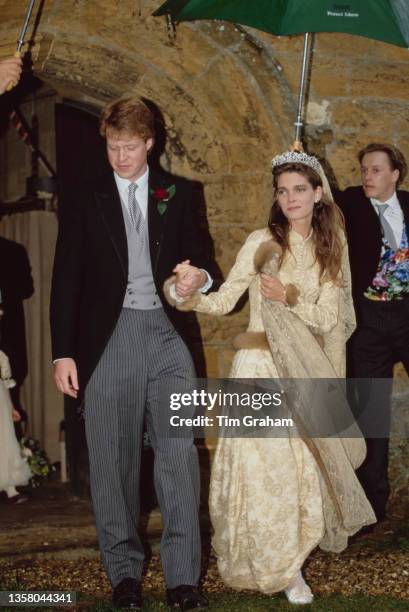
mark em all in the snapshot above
pixel 386 20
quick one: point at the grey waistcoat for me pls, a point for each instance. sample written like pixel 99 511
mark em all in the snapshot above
pixel 141 291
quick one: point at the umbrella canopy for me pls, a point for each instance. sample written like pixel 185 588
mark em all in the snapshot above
pixel 386 20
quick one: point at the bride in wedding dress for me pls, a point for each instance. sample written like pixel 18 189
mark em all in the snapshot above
pixel 273 500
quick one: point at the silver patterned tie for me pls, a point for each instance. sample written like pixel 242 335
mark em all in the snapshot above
pixel 135 212
pixel 387 231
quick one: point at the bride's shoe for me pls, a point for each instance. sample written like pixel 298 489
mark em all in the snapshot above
pixel 298 591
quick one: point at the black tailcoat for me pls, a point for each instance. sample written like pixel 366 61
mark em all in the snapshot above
pixel 91 262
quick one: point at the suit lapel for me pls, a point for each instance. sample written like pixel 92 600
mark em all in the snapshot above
pixel 156 220
pixel 368 221
pixel 403 198
pixel 109 205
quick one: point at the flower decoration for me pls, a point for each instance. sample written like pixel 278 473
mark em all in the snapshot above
pixel 163 195
pixel 392 278
pixel 37 460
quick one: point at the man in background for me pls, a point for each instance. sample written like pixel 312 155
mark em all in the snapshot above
pixel 377 226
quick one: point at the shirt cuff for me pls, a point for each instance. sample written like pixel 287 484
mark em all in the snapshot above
pixel 208 283
pixel 175 296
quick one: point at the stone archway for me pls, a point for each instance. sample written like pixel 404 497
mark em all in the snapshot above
pixel 226 104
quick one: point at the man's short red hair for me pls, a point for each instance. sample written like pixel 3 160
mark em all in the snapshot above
pixel 129 115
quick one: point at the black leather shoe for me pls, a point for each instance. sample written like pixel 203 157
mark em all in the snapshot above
pixel 186 597
pixel 128 594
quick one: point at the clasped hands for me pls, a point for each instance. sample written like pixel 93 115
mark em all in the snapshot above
pixel 188 279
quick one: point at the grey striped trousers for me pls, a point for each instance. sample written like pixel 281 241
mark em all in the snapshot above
pixel 143 351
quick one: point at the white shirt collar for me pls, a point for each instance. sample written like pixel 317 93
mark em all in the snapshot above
pixel 123 183
pixel 393 214
pixel 142 195
pixel 393 202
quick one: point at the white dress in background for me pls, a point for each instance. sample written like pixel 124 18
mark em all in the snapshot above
pixel 14 469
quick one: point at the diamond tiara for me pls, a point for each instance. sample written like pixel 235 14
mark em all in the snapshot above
pixel 292 157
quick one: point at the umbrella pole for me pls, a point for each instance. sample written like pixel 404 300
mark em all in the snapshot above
pixel 299 124
pixel 21 38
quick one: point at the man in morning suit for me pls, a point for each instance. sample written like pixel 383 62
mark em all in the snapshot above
pixel 115 338
pixel 377 225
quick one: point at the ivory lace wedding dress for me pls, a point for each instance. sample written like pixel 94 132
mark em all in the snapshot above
pixel 270 504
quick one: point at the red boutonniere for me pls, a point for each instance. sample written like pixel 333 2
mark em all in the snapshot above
pixel 162 196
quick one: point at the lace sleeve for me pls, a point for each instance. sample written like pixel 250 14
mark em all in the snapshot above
pixel 238 280
pixel 321 316
pixel 241 275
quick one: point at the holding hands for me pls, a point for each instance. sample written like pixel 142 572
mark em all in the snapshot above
pixel 188 279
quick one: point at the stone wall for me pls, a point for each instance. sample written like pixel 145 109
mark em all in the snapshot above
pixel 228 96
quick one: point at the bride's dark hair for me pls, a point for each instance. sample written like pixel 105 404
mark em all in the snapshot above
pixel 327 224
